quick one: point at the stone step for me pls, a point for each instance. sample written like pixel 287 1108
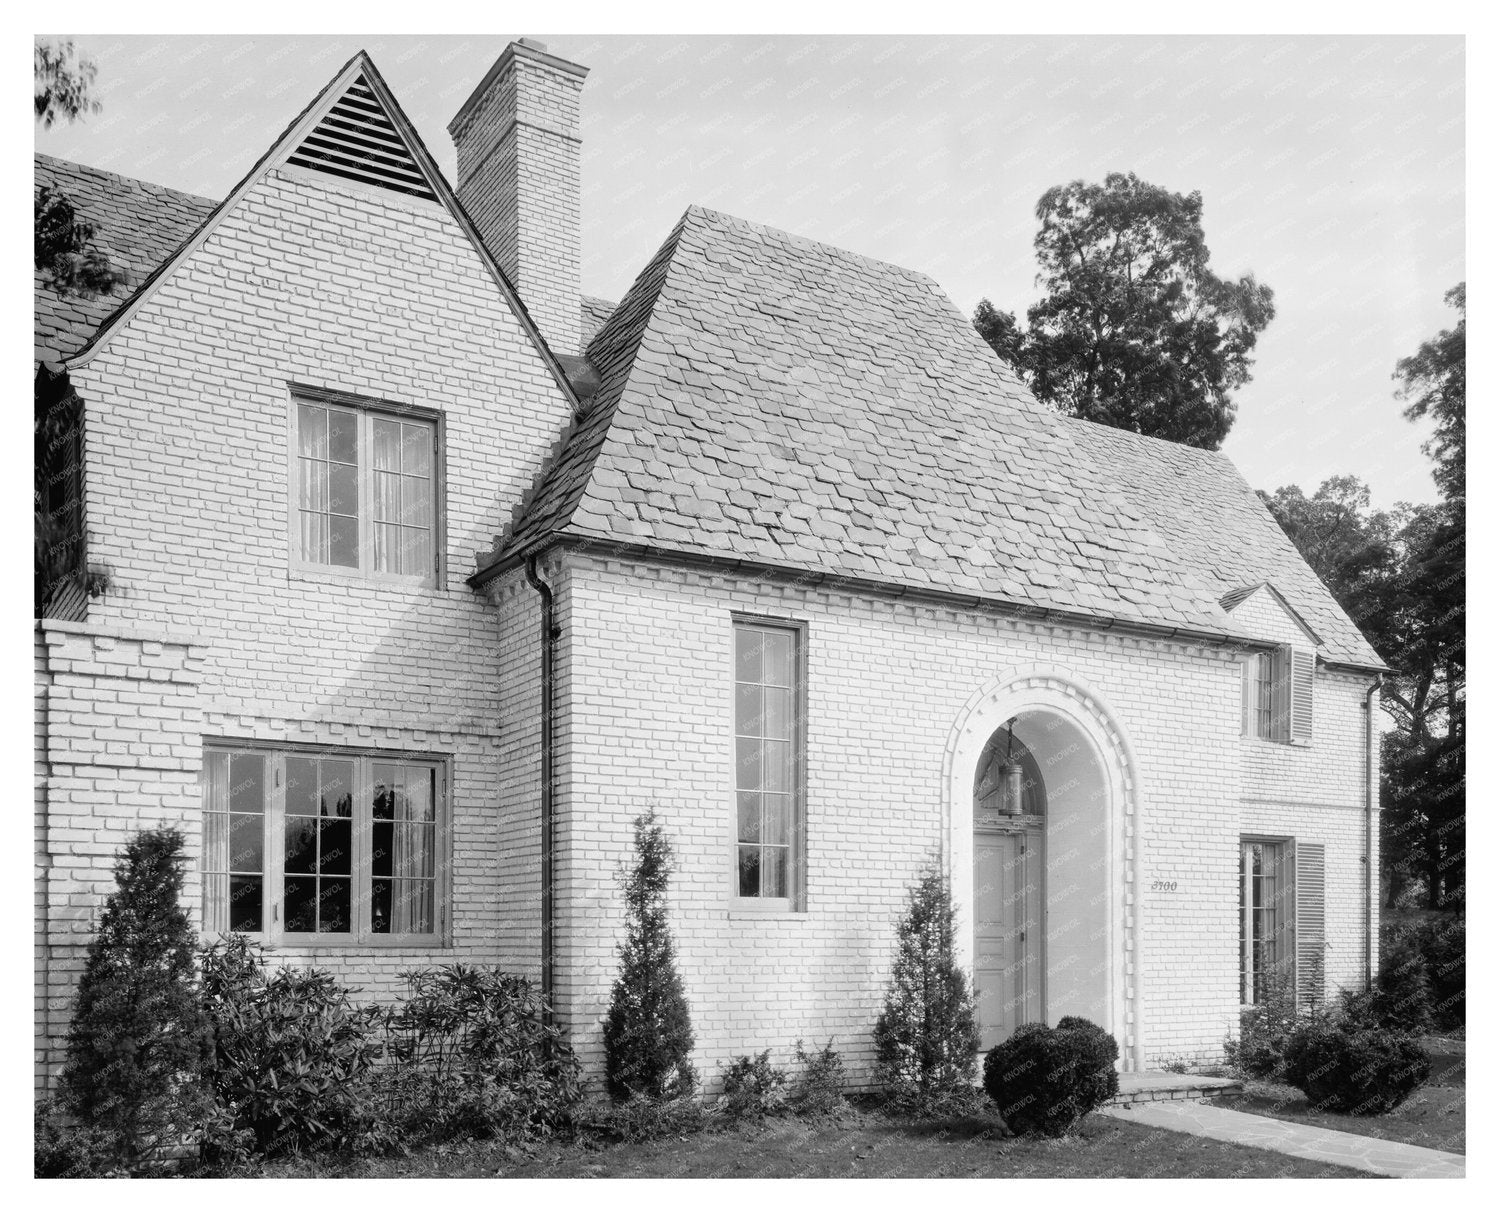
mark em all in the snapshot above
pixel 1159 1086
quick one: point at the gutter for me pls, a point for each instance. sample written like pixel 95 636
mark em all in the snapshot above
pixel 1370 798
pixel 549 763
pixel 854 584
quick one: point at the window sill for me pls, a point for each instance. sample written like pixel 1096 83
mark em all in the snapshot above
pixel 315 943
pixel 746 907
pixel 335 575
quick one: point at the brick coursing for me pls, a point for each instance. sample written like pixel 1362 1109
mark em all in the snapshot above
pixel 305 281
pixel 519 179
pixel 648 722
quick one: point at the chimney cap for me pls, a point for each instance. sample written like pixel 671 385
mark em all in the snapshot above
pixel 522 48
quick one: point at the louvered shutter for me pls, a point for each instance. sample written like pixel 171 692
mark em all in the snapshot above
pixel 1303 665
pixel 1281 694
pixel 1308 858
pixel 1248 669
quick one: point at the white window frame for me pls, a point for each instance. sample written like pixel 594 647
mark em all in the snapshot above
pixel 796 901
pixel 1281 663
pixel 273 915
pixel 367 410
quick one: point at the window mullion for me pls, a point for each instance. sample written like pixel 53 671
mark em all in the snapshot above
pixel 365 454
pixel 275 845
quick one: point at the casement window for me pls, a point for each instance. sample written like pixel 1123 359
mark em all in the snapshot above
pixel 1281 919
pixel 1278 694
pixel 767 762
pixel 365 490
pixel 324 847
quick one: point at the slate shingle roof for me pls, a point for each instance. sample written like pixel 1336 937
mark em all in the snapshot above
pixel 1212 516
pixel 776 400
pixel 594 313
pixel 771 399
pixel 140 225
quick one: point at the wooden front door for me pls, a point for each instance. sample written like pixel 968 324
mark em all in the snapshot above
pixel 1007 931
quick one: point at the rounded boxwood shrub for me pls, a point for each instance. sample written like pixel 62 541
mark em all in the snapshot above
pixel 1350 1067
pixel 1045 1080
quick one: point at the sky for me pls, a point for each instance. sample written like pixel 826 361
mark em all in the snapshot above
pixel 1331 167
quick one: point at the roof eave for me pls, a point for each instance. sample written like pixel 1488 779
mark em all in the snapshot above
pixel 595 545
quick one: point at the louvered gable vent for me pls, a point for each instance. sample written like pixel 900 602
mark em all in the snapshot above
pixel 358 141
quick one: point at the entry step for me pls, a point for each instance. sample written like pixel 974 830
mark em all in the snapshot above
pixel 1156 1086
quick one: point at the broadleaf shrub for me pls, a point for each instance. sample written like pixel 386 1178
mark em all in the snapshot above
pixel 642 1118
pixel 1043 1080
pixel 819 1089
pixel 1345 1066
pixel 926 1039
pixel 139 1043
pixel 472 1053
pixel 72 1151
pixel 1265 1029
pixel 294 1058
pixel 648 1034
pixel 753 1087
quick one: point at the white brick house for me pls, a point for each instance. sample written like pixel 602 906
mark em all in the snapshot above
pixel 410 578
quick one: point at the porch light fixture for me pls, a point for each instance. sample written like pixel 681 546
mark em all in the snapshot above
pixel 1010 775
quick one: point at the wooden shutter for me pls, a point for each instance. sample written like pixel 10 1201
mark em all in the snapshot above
pixel 1303 665
pixel 1308 857
pixel 1281 694
pixel 1249 667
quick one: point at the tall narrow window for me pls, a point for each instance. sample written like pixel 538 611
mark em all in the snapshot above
pixel 234 845
pixel 1260 694
pixel 366 490
pixel 766 746
pixel 1266 918
pixel 340 847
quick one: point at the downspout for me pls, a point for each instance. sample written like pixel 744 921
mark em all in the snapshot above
pixel 549 665
pixel 1370 798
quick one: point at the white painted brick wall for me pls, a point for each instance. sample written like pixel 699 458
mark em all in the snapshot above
pixel 648 721
pixel 187 446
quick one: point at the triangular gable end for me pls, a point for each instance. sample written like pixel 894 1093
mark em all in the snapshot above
pixel 397 159
pixel 1261 602
pixel 357 140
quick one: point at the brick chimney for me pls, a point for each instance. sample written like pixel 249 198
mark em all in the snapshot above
pixel 518 177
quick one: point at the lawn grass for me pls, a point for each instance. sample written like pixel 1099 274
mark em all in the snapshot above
pixel 857 1145
pixel 1433 1116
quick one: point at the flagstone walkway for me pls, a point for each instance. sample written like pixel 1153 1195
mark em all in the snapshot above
pixel 1302 1141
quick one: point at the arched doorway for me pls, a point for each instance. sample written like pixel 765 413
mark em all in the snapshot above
pixel 1045 920
pixel 1010 807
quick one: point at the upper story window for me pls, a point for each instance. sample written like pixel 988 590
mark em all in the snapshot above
pixel 767 761
pixel 1278 694
pixel 365 487
pixel 324 847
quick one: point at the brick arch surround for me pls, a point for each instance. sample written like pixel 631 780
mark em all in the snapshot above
pixel 1058 695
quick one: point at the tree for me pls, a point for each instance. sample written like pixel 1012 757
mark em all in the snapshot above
pixel 139 1042
pixel 1433 380
pixel 1134 330
pixel 648 1033
pixel 65 251
pixel 1398 574
pixel 64 83
pixel 926 1039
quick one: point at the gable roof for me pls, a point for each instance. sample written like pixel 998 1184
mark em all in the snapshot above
pixel 770 399
pixel 138 224
pixel 1222 529
pixel 359 77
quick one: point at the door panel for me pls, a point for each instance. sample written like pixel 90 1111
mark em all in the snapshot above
pixel 1007 932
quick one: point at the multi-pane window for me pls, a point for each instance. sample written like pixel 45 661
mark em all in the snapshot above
pixel 366 490
pixel 766 744
pixel 1260 674
pixel 341 847
pixel 1266 918
pixel 1279 694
